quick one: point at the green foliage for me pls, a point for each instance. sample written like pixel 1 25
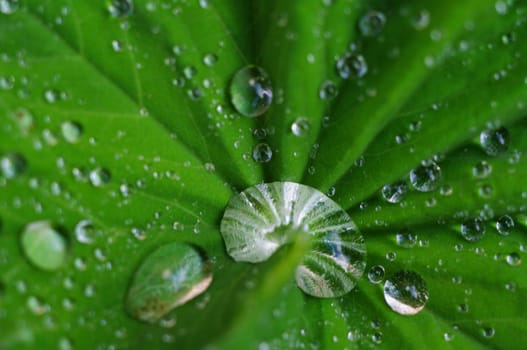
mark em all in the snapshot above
pixel 160 150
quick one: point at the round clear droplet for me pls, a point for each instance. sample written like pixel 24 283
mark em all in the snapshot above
pixel 85 232
pixel 513 259
pixel 352 66
pixel 328 90
pixel 372 23
pixel 495 141
pixel 504 225
pixel 12 165
pixel 394 193
pixel 251 91
pixel 406 292
pixel 8 7
pixel 99 177
pixel 262 153
pixel 300 127
pixel 120 8
pixel 376 274
pixel 473 229
pixel 406 239
pixel 426 178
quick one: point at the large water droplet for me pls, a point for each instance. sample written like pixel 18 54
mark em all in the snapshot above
pixel 251 91
pixel 170 276
pixel 426 177
pixel 120 8
pixel 495 141
pixel 406 292
pixel 473 229
pixel 372 23
pixel 12 164
pixel 85 232
pixel 265 217
pixel 352 66
pixel 43 245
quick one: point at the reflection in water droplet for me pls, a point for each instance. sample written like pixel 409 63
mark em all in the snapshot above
pixel 513 259
pixel 376 274
pixel 406 292
pixel 8 7
pixel 43 245
pixel 12 164
pixel 372 23
pixel 99 177
pixel 170 276
pixel 71 131
pixel 120 8
pixel 395 192
pixel 261 219
pixel 473 229
pixel 251 91
pixel 426 177
pixel 300 127
pixel 482 169
pixel 328 90
pixel 504 225
pixel 262 153
pixel 85 232
pixel 352 66
pixel 406 239
pixel 495 141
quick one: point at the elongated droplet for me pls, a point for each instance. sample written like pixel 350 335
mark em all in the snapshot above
pixel 12 164
pixel 251 91
pixel 261 219
pixel 71 131
pixel 406 292
pixel 394 193
pixel 170 276
pixel 43 245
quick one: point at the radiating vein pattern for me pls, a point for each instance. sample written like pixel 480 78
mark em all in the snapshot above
pixel 265 217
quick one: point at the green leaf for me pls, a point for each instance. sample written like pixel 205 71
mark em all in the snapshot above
pixel 159 150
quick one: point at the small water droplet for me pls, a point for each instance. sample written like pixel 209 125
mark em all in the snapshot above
pixel 406 292
pixel 328 90
pixel 504 225
pixel 495 141
pixel 120 8
pixel 376 274
pixel 262 153
pixel 210 59
pixel 372 23
pixel 170 276
pixel 43 245
pixel 12 164
pixel 426 177
pixel 352 66
pixel 300 127
pixel 251 91
pixel 99 177
pixel 513 259
pixel 85 232
pixel 71 131
pixel 406 239
pixel 473 229
pixel 395 192
pixel 8 7
pixel 487 332
pixel 482 169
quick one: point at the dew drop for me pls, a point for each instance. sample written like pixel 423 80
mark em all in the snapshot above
pixel 513 259
pixel 120 8
pixel 352 66
pixel 170 276
pixel 482 169
pixel 99 177
pixel 251 91
pixel 261 219
pixel 406 239
pixel 210 59
pixel 8 7
pixel 262 153
pixel 395 192
pixel 406 292
pixel 376 274
pixel 328 90
pixel 85 232
pixel 504 225
pixel 300 127
pixel 495 141
pixel 426 178
pixel 12 164
pixel 473 229
pixel 71 131
pixel 24 119
pixel 488 332
pixel 43 245
pixel 372 23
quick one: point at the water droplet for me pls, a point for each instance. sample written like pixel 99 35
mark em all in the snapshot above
pixel 37 306
pixel 262 153
pixel 12 164
pixel 421 20
pixel 300 127
pixel 51 95
pixel 8 7
pixel 513 259
pixel 251 91
pixel 99 177
pixel 504 225
pixel 488 332
pixel 265 217
pixel 43 245
pixel 426 177
pixel 372 23
pixel 495 141
pixel 170 276
pixel 71 131
pixel 406 292
pixel 406 239
pixel 24 119
pixel 473 229
pixel 85 232
pixel 120 8
pixel 328 90
pixel 395 192
pixel 376 274
pixel 210 59
pixel 482 169
pixel 352 66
